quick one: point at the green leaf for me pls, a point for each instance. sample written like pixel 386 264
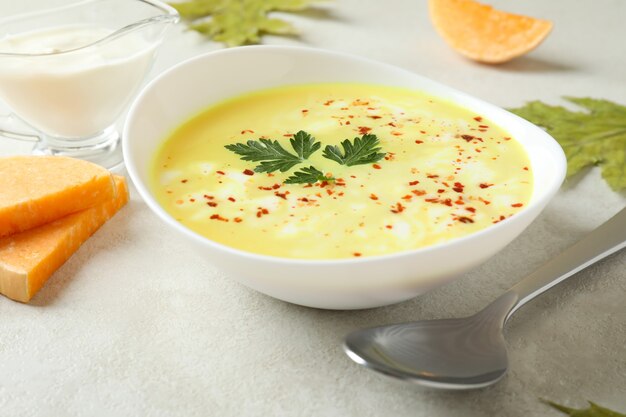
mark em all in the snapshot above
pixel 362 150
pixel 239 22
pixel 594 410
pixel 596 136
pixel 307 175
pixel 273 155
pixel 304 144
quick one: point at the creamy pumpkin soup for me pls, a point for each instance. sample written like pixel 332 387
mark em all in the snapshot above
pixel 338 171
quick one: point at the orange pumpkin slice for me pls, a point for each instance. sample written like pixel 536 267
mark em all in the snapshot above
pixel 29 258
pixel 484 34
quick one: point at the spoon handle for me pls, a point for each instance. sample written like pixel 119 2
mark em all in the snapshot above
pixel 600 243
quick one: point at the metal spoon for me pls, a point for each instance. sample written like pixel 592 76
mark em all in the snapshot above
pixel 470 352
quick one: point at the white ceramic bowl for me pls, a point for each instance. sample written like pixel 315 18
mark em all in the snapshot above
pixel 193 85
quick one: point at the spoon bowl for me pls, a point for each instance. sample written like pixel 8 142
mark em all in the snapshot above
pixel 458 353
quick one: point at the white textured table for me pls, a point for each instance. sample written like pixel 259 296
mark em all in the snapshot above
pixel 136 324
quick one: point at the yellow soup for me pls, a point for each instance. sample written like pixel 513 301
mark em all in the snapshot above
pixel 443 172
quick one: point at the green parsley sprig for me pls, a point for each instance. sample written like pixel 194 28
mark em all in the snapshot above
pixel 309 175
pixel 364 150
pixel 273 157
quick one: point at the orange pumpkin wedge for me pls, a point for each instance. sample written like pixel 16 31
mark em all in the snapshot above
pixel 29 258
pixel 484 34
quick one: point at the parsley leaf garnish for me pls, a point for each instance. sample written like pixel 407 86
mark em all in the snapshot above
pixel 304 144
pixel 363 150
pixel 273 156
pixel 596 136
pixel 308 175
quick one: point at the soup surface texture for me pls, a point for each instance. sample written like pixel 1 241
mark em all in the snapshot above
pixel 446 172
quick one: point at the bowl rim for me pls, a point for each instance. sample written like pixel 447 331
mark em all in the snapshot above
pixel 536 202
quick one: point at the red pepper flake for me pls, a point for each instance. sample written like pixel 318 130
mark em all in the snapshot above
pixel 414 182
pixel 374 116
pixel 483 126
pixel 304 199
pixel 432 176
pixel 364 130
pixel 329 102
pixel 211 204
pixel 398 208
pixel 418 192
pixel 525 168
pixel 499 220
pixel 357 254
pixel 447 202
pixel 388 226
pixel 458 187
pixel 243 132
pixel 507 138
pixel 218 217
pixel 464 219
pixel 340 194
pixel 478 119
pixel 407 197
pixel 340 182
pixel 348 122
pixel 373 196
pixel 192 200
pixel 221 172
pixel 478 150
pixel 419 141
pixel 432 200
pixel 392 124
pixel 376 166
pixel 459 202
pixel 208 197
pixel 517 205
pixel 468 138
pixel 248 172
pixel 237 219
pixel 261 211
pixel 484 201
pixel 423 132
pixel 390 156
pixel 288 135
pixel 281 195
pixel 470 209
pixel 484 185
pixel 231 199
pixel 304 111
pixel 329 191
pixel 397 133
pixel 184 181
pixel 441 190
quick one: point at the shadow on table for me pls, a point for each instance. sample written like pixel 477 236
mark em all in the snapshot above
pixel 533 64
